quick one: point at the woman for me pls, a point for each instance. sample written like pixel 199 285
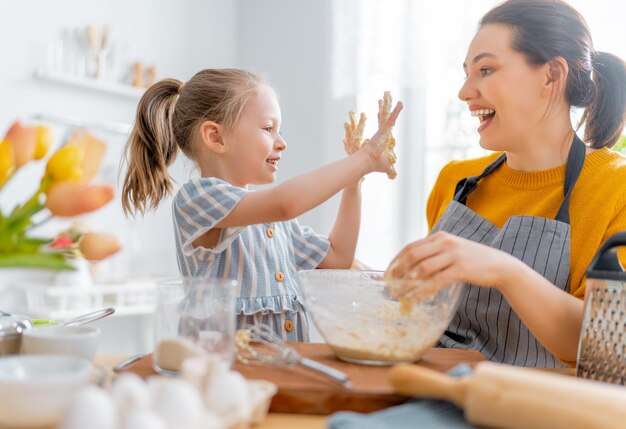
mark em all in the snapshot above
pixel 521 225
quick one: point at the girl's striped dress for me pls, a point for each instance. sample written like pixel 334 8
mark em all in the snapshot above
pixel 263 258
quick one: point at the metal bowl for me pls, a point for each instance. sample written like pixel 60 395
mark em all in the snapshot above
pixel 11 328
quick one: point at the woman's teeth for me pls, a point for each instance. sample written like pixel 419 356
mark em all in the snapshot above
pixel 272 161
pixel 482 114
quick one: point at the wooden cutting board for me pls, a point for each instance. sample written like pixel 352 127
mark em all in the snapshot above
pixel 301 391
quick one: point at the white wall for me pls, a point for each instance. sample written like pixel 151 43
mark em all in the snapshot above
pixel 179 37
pixel 290 43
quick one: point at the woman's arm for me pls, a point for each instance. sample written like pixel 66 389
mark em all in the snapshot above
pixel 551 314
pixel 345 233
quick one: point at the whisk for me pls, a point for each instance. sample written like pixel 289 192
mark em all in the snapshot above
pixel 277 352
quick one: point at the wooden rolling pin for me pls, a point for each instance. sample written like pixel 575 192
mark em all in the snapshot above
pixel 507 397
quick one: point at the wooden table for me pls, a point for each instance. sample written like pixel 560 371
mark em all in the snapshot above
pixel 371 390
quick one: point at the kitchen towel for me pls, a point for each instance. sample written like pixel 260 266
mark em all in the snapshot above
pixel 418 413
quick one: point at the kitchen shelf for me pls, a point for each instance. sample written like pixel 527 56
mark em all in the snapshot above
pixel 90 83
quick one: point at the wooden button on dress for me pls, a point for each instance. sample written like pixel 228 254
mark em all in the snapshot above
pixel 270 232
pixel 288 326
pixel 280 276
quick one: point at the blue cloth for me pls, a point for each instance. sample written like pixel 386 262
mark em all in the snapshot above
pixel 418 413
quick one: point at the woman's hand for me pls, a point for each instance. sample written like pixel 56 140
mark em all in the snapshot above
pixel 380 146
pixel 442 258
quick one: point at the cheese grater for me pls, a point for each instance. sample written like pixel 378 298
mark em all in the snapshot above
pixel 602 346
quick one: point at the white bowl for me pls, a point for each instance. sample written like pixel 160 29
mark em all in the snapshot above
pixel 61 340
pixel 36 390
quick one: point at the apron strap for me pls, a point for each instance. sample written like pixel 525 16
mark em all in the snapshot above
pixel 466 186
pixel 575 161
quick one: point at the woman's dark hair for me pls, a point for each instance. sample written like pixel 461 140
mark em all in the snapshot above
pixel 546 29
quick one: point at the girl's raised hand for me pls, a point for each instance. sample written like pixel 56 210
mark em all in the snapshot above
pixel 380 146
pixel 354 133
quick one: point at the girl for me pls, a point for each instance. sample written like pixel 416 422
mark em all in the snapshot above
pixel 503 223
pixel 228 121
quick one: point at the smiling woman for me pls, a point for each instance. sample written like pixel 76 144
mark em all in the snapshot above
pixel 507 223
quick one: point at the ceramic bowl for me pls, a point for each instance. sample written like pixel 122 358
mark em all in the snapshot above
pixel 362 323
pixel 36 390
pixel 61 340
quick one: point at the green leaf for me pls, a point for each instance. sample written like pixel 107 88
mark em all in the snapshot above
pixel 50 261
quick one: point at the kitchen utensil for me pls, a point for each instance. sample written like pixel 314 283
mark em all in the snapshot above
pixel 11 328
pixel 89 317
pixel 276 352
pixel 508 397
pixel 120 366
pixel 602 346
pixel 363 324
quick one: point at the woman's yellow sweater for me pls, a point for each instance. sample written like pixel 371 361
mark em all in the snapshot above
pixel 597 205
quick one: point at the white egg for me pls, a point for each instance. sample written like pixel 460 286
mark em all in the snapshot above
pixel 143 419
pixel 179 403
pixel 129 393
pixel 228 395
pixel 91 408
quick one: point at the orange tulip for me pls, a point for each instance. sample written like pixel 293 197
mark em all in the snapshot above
pixel 71 199
pixel 23 142
pixel 95 246
pixel 93 150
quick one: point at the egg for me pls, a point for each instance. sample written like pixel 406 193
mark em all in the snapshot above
pixel 91 408
pixel 143 419
pixel 130 393
pixel 229 395
pixel 178 402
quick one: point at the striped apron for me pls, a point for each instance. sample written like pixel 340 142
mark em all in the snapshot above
pixel 484 320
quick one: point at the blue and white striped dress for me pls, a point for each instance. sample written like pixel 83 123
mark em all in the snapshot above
pixel 263 258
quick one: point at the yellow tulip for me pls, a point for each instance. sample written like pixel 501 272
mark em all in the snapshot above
pixel 43 141
pixel 96 246
pixel 67 198
pixel 7 161
pixel 66 164
pixel 22 140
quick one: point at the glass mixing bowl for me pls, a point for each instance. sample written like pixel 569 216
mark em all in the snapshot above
pixel 363 324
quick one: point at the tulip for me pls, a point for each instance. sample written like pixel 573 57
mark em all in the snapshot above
pixel 43 141
pixel 65 164
pixel 95 246
pixel 23 142
pixel 71 199
pixel 93 150
pixel 7 161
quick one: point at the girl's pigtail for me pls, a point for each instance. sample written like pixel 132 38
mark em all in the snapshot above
pixel 151 148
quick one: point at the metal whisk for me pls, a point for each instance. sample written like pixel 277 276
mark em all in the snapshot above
pixel 277 352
